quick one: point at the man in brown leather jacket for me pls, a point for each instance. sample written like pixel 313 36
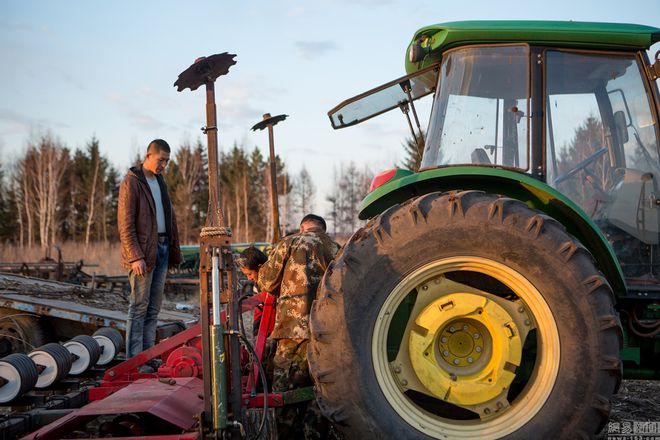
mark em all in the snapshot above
pixel 149 243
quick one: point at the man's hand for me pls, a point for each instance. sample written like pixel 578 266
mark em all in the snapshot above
pixel 139 267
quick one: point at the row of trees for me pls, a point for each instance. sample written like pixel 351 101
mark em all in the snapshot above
pixel 53 194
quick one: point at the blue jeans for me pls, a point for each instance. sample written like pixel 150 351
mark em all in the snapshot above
pixel 144 304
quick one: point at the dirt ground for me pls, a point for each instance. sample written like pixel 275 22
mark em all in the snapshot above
pixel 637 401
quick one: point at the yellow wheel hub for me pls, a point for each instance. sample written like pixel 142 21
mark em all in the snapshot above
pixel 463 345
pixel 464 348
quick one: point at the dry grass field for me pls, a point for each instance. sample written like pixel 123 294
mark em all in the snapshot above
pixel 100 258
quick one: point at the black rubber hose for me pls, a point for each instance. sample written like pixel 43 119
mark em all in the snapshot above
pixel 262 374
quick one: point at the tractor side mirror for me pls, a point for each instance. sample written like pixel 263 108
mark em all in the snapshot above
pixel 655 67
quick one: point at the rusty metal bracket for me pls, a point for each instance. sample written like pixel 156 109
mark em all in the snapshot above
pixel 268 121
pixel 205 69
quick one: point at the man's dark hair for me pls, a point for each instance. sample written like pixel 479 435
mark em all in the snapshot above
pixel 313 218
pixel 251 258
pixel 158 145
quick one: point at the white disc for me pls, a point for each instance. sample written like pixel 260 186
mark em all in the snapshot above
pixel 49 375
pixel 107 350
pixel 81 364
pixel 13 386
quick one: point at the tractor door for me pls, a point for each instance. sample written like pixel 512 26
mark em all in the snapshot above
pixel 602 151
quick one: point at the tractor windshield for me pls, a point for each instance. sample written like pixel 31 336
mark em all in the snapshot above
pixel 481 109
pixel 602 150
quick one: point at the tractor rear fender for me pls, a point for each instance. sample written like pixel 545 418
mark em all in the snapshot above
pixel 534 193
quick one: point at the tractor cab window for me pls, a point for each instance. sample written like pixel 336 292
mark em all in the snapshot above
pixel 481 109
pixel 602 150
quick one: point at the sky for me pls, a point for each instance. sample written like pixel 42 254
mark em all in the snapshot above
pixel 78 69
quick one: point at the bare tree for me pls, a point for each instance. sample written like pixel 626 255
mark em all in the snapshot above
pixel 92 195
pixel 189 169
pixel 22 197
pixel 350 187
pixel 45 162
pixel 305 191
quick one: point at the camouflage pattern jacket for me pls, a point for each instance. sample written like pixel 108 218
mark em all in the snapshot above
pixel 293 272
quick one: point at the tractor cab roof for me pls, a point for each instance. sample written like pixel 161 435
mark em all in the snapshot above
pixel 435 39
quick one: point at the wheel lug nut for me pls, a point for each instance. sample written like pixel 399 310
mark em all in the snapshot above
pixel 469 360
pixel 478 349
pixel 456 362
pixel 445 353
pixel 476 336
pixel 465 327
pixel 527 322
pixel 521 309
pixel 443 339
pixel 452 329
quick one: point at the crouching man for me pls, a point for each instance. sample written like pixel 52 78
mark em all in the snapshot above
pixel 292 273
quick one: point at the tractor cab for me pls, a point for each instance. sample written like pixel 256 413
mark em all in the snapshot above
pixel 572 105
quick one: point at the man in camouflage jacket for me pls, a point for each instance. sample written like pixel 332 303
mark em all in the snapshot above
pixel 292 273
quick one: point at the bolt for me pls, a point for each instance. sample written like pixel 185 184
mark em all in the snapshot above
pixel 437 281
pixel 443 339
pixel 527 322
pixel 469 360
pixel 465 327
pixel 445 353
pixel 487 411
pixel 404 382
pixel 452 329
pixel 476 336
pixel 500 405
pixel 521 309
pixel 478 349
pixel 425 287
pixel 456 362
pixel 111 373
pixel 397 370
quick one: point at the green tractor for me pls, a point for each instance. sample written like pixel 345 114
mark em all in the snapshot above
pixel 505 289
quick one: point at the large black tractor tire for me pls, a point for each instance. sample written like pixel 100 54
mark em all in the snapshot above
pixel 465 315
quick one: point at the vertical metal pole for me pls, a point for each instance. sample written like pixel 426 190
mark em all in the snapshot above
pixel 214 216
pixel 273 184
pixel 215 356
pixel 236 395
pixel 214 239
pixel 218 350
